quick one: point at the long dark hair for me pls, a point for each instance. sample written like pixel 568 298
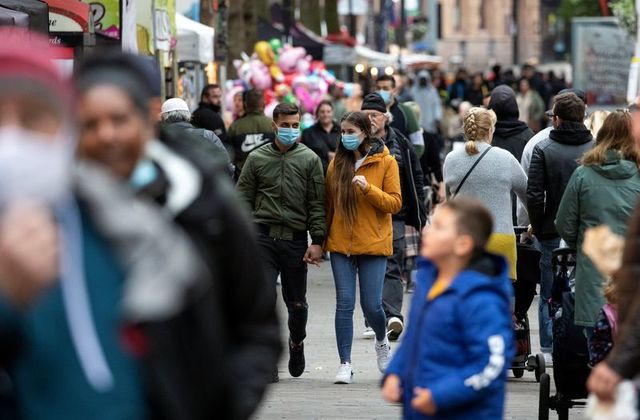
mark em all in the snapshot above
pixel 342 188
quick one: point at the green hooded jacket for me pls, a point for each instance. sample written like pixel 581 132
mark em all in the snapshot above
pixel 596 195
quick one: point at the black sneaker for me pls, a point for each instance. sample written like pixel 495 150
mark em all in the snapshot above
pixel 275 379
pixel 296 359
pixel 394 328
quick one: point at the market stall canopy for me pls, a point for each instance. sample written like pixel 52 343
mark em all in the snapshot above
pixel 10 17
pixel 38 13
pixel 195 40
pixel 380 59
pixel 68 16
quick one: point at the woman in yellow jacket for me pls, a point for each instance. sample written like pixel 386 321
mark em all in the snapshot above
pixel 363 191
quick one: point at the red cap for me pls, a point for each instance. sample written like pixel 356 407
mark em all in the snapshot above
pixel 27 56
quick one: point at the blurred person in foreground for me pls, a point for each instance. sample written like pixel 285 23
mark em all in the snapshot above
pixel 175 113
pixel 92 281
pixel 225 369
pixel 456 367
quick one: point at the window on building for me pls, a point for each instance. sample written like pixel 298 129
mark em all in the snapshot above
pixel 456 15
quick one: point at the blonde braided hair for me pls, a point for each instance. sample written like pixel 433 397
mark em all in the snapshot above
pixel 477 126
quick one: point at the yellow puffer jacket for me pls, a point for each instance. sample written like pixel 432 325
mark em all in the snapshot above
pixel 372 233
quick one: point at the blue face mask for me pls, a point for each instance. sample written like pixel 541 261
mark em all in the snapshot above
pixel 144 174
pixel 288 136
pixel 351 141
pixel 386 96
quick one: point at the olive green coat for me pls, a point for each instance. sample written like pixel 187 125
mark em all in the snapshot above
pixel 596 195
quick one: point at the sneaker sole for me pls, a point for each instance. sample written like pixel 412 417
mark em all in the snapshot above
pixel 343 382
pixel 395 327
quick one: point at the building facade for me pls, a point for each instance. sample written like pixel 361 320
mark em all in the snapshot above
pixel 477 34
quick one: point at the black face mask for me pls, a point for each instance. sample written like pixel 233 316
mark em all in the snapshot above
pixel 423 82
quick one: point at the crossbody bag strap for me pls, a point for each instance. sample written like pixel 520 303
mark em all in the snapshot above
pixel 470 170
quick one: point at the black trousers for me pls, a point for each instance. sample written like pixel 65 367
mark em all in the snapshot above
pixel 285 258
pixel 393 289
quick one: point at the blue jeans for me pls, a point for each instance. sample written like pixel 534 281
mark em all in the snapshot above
pixel 546 282
pixel 370 270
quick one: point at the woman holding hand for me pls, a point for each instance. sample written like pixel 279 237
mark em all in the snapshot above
pixel 363 191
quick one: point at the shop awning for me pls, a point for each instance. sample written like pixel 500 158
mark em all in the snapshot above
pixel 195 40
pixel 68 16
pixel 379 59
pixel 37 11
pixel 10 17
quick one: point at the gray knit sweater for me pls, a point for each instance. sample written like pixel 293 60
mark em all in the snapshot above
pixel 491 181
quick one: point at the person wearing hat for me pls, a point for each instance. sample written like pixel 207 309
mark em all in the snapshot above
pixel 413 210
pixel 215 358
pixel 175 113
pixel 82 261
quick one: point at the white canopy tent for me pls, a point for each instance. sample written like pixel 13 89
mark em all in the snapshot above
pixel 380 59
pixel 195 40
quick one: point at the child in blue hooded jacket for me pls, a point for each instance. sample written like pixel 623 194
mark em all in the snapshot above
pixel 453 361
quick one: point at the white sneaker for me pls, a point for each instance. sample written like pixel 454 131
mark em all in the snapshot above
pixel 368 333
pixel 344 374
pixel 548 359
pixel 383 354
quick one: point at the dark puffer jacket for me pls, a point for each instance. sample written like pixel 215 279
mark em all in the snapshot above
pixel 413 211
pixel 552 164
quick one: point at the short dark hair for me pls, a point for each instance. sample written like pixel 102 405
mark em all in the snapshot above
pixel 285 109
pixel 385 78
pixel 253 100
pixel 569 107
pixel 207 88
pixel 473 219
pixel 322 103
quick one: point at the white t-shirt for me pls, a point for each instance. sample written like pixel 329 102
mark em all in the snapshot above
pixel 359 162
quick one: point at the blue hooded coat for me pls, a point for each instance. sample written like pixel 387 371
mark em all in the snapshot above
pixel 460 344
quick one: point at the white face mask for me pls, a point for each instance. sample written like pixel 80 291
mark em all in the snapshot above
pixel 34 166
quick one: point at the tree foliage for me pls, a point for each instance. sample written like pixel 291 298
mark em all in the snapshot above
pixel 625 11
pixel 577 8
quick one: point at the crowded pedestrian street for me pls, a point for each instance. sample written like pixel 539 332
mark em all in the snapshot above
pixel 314 396
pixel 331 209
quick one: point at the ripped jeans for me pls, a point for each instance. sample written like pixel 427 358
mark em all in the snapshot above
pixel 285 258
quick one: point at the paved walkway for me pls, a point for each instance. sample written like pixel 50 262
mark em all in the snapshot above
pixel 314 396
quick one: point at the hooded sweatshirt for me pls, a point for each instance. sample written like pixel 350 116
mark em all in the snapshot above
pixel 460 343
pixel 595 195
pixel 511 134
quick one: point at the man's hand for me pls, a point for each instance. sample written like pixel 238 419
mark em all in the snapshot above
pixel 313 255
pixel 603 382
pixel 28 252
pixel 391 389
pixel 361 182
pixel 423 402
pixel 442 193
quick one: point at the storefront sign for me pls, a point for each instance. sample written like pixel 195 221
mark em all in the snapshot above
pixel 106 17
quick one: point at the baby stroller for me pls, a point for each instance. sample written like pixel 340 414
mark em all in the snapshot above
pixel 528 270
pixel 570 352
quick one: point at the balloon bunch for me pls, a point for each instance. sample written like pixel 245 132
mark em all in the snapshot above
pixel 284 73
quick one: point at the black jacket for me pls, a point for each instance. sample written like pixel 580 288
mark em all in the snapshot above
pixel 413 211
pixel 321 142
pixel 217 357
pixel 207 141
pixel 209 117
pixel 512 135
pixel 552 164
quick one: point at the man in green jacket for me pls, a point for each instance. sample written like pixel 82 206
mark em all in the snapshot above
pixel 282 182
